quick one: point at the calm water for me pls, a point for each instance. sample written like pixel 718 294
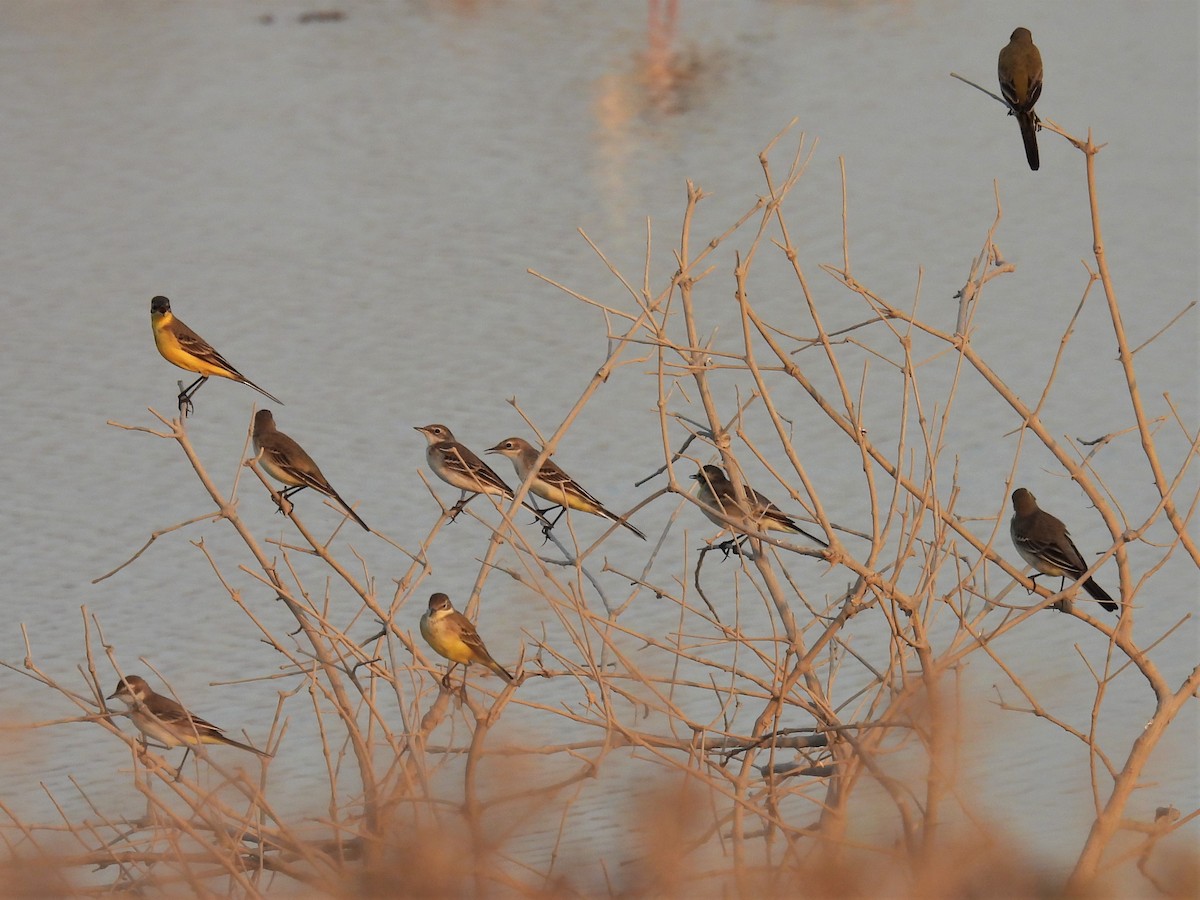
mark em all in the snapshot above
pixel 348 210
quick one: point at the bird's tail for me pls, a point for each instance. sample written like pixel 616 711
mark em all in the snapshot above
pixel 232 743
pixel 631 528
pixel 499 670
pixel 609 514
pixel 1028 123
pixel 246 381
pixel 350 512
pixel 776 520
pixel 811 537
pixel 1098 593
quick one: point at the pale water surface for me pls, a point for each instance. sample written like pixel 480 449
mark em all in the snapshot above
pixel 348 210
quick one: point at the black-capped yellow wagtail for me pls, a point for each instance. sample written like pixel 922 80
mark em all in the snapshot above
pixel 181 346
pixel 758 514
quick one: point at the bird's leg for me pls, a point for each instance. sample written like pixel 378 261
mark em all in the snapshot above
pixel 467 497
pixel 733 545
pixel 546 529
pixel 145 745
pixel 185 396
pixel 179 771
pixel 285 504
pixel 532 507
pixel 446 677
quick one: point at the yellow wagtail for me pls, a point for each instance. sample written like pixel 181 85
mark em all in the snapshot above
pixel 453 636
pixel 456 465
pixel 164 720
pixel 182 347
pixel 553 484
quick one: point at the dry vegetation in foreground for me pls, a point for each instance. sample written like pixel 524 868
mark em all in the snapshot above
pixel 817 754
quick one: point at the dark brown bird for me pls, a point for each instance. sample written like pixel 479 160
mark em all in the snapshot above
pixel 1043 542
pixel 1020 71
pixel 285 461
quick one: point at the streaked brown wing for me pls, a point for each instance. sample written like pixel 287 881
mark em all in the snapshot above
pixel 200 348
pixel 462 461
pixel 557 478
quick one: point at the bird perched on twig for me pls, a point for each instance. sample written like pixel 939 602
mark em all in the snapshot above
pixel 1043 542
pixel 456 465
pixel 285 461
pixel 553 484
pixel 757 514
pixel 181 346
pixel 1020 71
pixel 164 720
pixel 453 636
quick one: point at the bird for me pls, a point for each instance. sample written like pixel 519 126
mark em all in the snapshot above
pixel 717 497
pixel 456 465
pixel 553 484
pixel 1020 71
pixel 285 461
pixel 182 347
pixel 453 636
pixel 1043 542
pixel 164 720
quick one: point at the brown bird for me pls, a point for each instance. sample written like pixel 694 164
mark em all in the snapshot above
pixel 165 720
pixel 759 514
pixel 285 461
pixel 1020 71
pixel 551 483
pixel 456 465
pixel 1043 542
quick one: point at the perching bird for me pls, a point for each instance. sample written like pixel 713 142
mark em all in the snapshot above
pixel 181 346
pixel 1043 542
pixel 164 720
pixel 758 514
pixel 553 484
pixel 1020 71
pixel 453 636
pixel 285 461
pixel 456 465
